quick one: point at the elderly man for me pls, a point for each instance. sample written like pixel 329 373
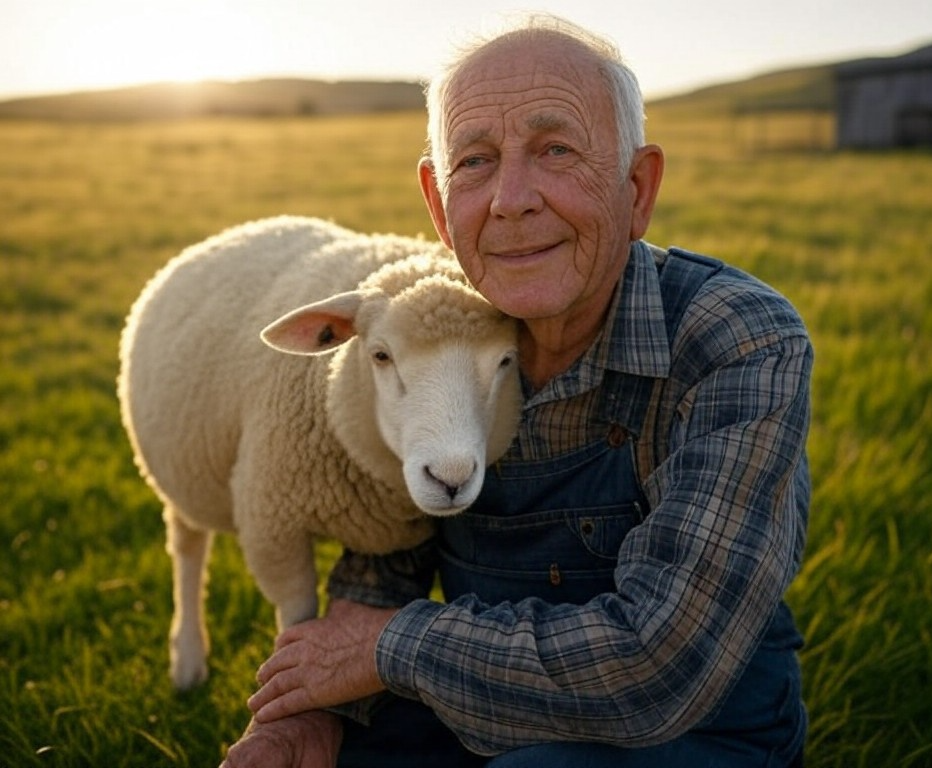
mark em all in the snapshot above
pixel 615 596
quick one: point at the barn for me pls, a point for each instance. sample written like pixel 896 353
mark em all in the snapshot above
pixel 885 102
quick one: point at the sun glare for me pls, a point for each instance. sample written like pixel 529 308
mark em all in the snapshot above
pixel 171 40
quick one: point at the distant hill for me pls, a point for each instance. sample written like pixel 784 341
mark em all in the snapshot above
pixel 260 98
pixel 800 88
pixel 807 88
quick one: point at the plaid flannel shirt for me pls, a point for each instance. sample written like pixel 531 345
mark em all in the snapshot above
pixel 697 582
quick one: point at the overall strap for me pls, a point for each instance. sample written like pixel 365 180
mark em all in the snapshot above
pixel 682 273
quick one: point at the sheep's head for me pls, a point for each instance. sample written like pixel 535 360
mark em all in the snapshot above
pixel 437 364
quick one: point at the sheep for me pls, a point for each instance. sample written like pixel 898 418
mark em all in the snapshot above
pixel 398 390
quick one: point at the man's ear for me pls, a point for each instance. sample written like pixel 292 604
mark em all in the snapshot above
pixel 646 174
pixel 431 192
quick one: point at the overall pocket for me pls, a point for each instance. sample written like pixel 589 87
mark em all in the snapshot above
pixel 528 536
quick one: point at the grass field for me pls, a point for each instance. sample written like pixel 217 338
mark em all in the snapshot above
pixel 87 213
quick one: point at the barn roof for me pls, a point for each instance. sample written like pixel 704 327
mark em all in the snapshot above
pixel 921 58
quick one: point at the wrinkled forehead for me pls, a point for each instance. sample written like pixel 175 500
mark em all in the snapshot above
pixel 522 74
pixel 530 57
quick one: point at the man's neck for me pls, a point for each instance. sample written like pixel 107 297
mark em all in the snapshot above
pixel 549 347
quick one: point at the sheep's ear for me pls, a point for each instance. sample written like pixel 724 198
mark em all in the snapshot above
pixel 315 328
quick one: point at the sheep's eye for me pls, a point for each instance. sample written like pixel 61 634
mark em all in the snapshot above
pixel 381 357
pixel 506 361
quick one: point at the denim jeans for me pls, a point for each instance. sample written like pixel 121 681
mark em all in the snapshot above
pixel 406 734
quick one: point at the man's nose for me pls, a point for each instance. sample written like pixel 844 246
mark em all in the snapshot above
pixel 515 193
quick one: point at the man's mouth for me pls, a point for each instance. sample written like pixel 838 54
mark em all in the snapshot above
pixel 524 252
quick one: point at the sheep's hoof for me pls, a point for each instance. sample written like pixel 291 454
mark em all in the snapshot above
pixel 187 674
pixel 187 651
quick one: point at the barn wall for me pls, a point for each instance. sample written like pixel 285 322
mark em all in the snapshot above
pixel 884 106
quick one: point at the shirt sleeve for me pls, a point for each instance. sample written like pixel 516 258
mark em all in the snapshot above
pixel 384 581
pixel 697 583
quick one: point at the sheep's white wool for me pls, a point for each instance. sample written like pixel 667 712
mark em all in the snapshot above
pixel 236 436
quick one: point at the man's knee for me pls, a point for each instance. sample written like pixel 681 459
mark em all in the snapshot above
pixel 687 751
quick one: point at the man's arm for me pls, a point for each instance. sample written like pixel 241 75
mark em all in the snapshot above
pixel 697 584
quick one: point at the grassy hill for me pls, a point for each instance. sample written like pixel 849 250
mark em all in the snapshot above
pixel 801 88
pixel 806 88
pixel 253 98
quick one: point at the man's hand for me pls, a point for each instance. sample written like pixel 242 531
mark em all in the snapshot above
pixel 307 740
pixel 322 662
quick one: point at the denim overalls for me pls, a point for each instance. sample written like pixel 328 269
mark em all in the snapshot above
pixel 528 535
pixel 552 529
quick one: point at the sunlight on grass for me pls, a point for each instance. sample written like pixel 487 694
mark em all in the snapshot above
pixel 89 212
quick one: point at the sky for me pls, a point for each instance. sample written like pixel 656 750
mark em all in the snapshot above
pixel 53 46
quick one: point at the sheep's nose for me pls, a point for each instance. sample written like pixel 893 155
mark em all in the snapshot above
pixel 452 474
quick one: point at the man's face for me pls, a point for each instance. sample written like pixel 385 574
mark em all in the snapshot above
pixel 535 204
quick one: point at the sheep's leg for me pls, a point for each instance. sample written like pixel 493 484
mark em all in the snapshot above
pixel 188 640
pixel 285 571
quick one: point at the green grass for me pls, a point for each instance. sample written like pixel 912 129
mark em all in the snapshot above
pixel 87 213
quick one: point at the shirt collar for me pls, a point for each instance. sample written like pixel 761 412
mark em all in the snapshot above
pixel 638 341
